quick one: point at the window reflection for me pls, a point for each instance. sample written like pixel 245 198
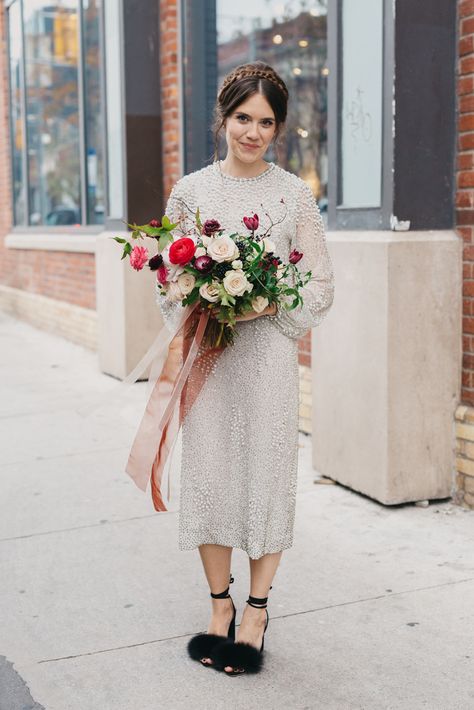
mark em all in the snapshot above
pixel 55 94
pixel 291 37
pixel 93 114
pixel 51 46
pixel 16 112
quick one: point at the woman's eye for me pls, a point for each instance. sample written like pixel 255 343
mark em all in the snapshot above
pixel 242 118
pixel 268 123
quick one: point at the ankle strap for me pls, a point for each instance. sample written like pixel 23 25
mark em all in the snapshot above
pixel 258 602
pixel 225 593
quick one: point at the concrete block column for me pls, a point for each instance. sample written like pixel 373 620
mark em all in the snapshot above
pixel 387 365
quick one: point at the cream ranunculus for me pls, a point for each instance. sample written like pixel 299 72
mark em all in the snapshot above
pixel 236 283
pixel 210 291
pixel 237 264
pixel 268 245
pixel 174 292
pixel 200 251
pixel 222 248
pixel 186 282
pixel 259 303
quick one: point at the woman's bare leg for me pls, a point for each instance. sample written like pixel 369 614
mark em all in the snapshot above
pixel 262 572
pixel 216 561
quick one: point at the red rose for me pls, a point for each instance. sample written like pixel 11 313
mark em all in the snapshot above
pixel 182 251
pixel 295 256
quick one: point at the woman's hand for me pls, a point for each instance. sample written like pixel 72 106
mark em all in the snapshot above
pixel 251 315
pixel 268 311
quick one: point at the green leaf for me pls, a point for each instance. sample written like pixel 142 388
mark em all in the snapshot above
pixel 119 240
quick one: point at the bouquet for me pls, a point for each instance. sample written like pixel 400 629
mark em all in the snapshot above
pixel 230 274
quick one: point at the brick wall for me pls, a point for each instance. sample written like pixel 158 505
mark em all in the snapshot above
pixel 465 227
pixel 170 92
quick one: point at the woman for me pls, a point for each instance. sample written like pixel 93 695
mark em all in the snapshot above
pixel 240 439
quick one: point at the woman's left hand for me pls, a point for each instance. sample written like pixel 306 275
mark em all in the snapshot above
pixel 251 315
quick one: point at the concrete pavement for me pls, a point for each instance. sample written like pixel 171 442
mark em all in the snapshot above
pixel 372 609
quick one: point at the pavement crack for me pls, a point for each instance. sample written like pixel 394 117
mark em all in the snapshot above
pixel 272 618
pixel 82 527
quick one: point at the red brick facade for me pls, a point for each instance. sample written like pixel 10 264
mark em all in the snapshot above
pixel 465 187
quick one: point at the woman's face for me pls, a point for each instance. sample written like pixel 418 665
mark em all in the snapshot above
pixel 250 128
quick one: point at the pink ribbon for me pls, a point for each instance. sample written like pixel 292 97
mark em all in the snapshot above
pixel 162 418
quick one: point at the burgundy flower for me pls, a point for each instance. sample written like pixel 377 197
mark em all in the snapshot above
pixel 275 260
pixel 154 223
pixel 251 222
pixel 182 250
pixel 210 226
pixel 155 262
pixel 203 263
pixel 295 256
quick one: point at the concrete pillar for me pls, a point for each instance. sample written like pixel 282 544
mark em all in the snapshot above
pixel 128 317
pixel 387 365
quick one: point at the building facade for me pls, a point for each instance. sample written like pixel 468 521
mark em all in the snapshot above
pixel 106 103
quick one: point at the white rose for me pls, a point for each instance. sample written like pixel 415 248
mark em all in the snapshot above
pixel 235 282
pixel 210 291
pixel 236 264
pixel 186 282
pixel 174 293
pixel 268 245
pixel 200 251
pixel 222 249
pixel 259 303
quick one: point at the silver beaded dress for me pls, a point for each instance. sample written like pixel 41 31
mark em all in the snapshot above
pixel 240 440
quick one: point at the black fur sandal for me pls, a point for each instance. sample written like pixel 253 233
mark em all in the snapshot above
pixel 243 657
pixel 201 645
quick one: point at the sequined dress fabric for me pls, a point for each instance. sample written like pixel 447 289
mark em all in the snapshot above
pixel 240 440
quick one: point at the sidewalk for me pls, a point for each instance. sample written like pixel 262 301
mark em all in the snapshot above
pixel 372 609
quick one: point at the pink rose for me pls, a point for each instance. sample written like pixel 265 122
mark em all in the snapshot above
pixel 162 274
pixel 251 222
pixel 138 257
pixel 295 256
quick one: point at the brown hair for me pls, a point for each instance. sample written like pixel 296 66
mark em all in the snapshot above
pixel 241 83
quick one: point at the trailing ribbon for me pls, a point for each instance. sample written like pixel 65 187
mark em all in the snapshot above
pixel 177 373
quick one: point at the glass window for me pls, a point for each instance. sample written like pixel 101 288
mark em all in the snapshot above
pixel 63 150
pixel 93 113
pixel 16 111
pixel 291 37
pixel 362 88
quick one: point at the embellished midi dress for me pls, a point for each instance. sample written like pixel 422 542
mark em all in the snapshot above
pixel 240 439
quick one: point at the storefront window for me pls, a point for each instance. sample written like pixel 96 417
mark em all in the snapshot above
pixel 16 112
pixel 63 148
pixel 292 38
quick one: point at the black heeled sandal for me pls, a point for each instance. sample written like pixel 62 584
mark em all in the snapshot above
pixel 201 645
pixel 242 656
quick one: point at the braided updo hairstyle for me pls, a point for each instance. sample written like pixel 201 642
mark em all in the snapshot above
pixel 241 83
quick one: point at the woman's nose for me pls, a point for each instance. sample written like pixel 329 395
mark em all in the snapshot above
pixel 252 131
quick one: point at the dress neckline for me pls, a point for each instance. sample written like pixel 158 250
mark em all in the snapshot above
pixel 217 163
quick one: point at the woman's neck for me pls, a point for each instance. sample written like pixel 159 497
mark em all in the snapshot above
pixel 236 168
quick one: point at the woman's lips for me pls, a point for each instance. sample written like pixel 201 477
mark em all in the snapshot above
pixel 249 146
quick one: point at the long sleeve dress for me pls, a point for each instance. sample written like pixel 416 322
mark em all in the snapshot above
pixel 240 439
